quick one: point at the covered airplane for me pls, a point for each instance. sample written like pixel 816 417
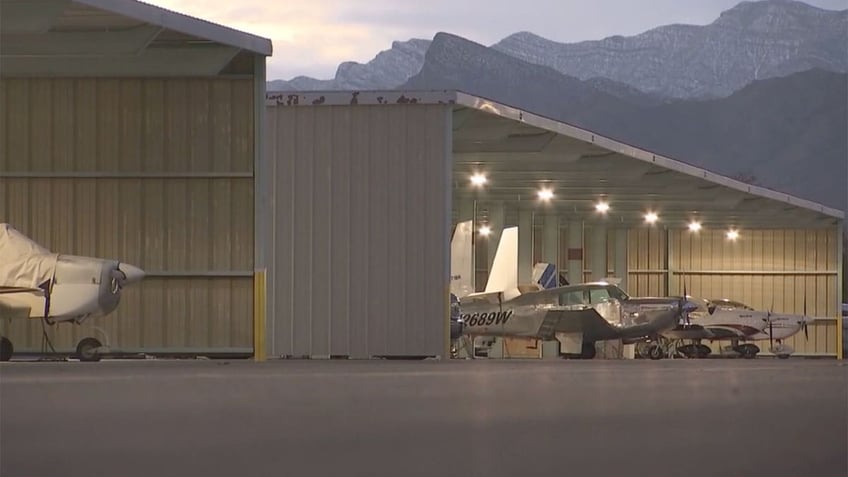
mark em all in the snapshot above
pixel 728 320
pixel 36 283
pixel 576 315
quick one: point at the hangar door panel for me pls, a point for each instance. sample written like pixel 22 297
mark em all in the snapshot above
pixel 360 230
pixel 156 173
pixel 767 269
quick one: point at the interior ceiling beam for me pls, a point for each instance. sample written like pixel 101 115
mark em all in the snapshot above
pixel 206 60
pixel 29 16
pixel 75 43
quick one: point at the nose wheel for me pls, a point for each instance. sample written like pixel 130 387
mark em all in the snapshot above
pixel 88 349
pixel 6 349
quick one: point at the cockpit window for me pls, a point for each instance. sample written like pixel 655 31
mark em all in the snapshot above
pixel 574 297
pixel 729 304
pixel 599 295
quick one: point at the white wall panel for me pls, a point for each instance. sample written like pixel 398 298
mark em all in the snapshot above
pixel 361 227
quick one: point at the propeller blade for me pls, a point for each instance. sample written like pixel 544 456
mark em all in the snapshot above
pixel 771 333
pixel 806 335
pixel 685 298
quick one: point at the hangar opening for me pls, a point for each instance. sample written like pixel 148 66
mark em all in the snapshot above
pixel 132 132
pixel 367 188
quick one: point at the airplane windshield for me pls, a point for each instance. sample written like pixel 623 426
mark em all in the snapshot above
pixel 730 304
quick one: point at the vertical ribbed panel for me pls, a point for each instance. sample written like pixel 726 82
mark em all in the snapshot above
pixel 783 267
pixel 360 230
pixel 165 225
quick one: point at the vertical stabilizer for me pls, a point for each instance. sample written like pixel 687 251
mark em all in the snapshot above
pixel 504 274
pixel 545 275
pixel 461 263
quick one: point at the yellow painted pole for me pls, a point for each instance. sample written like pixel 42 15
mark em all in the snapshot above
pixel 259 316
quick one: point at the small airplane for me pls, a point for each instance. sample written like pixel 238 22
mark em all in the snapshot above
pixel 723 319
pixel 575 315
pixel 38 284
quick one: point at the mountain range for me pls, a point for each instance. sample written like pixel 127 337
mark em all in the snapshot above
pixel 759 94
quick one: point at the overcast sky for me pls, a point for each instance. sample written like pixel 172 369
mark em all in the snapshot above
pixel 312 37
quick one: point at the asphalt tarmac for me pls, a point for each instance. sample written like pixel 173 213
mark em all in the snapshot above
pixel 461 418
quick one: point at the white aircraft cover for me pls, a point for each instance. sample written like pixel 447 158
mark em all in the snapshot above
pixel 23 263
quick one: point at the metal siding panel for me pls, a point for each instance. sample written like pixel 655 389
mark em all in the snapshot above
pixel 404 153
pixel 130 123
pixel 176 125
pixel 340 232
pixel 18 121
pixel 4 136
pixel 282 135
pixel 242 125
pixel 303 239
pixel 222 207
pixel 321 273
pixel 220 126
pixel 41 124
pixel 359 232
pixel 154 122
pixel 431 338
pixel 62 130
pixel 378 266
pixel 108 117
pixel 200 158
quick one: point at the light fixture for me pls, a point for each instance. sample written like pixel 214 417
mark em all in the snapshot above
pixel 485 230
pixel 732 234
pixel 651 217
pixel 694 226
pixel 478 179
pixel 602 207
pixel 546 194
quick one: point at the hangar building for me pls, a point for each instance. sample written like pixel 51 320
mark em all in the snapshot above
pixel 128 131
pixel 365 187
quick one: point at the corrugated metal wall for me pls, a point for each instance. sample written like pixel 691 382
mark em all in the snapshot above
pixel 157 173
pixel 766 269
pixel 362 223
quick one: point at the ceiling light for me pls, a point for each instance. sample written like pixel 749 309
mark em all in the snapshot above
pixel 478 179
pixel 546 194
pixel 694 226
pixel 485 230
pixel 651 217
pixel 732 234
pixel 602 207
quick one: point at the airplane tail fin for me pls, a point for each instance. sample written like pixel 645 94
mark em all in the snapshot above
pixel 545 275
pixel 461 263
pixel 504 273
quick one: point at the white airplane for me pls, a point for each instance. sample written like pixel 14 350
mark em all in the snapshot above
pixel 723 319
pixel 577 315
pixel 38 284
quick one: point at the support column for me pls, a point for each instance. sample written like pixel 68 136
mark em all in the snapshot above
pixel 620 264
pixel 575 252
pixel 550 240
pixel 840 275
pixel 525 246
pixel 496 223
pixel 670 289
pixel 599 251
pixel 465 210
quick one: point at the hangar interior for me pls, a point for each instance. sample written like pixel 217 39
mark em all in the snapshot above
pixel 786 249
pixel 128 131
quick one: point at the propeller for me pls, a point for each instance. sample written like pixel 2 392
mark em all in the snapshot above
pixel 804 320
pixel 770 325
pixel 685 299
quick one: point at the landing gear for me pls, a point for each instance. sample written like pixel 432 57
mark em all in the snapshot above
pixel 588 351
pixel 655 351
pixel 695 350
pixel 6 349
pixel 748 350
pixel 88 349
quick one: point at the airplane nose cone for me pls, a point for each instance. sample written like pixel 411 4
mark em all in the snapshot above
pixel 133 273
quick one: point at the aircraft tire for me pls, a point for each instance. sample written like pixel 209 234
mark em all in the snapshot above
pixel 588 351
pixel 6 349
pixel 783 356
pixel 655 352
pixel 86 349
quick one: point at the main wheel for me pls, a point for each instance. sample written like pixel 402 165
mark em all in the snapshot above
pixel 87 349
pixel 655 352
pixel 6 349
pixel 588 351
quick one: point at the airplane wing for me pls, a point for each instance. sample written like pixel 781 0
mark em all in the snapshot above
pixel 586 321
pixel 6 290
